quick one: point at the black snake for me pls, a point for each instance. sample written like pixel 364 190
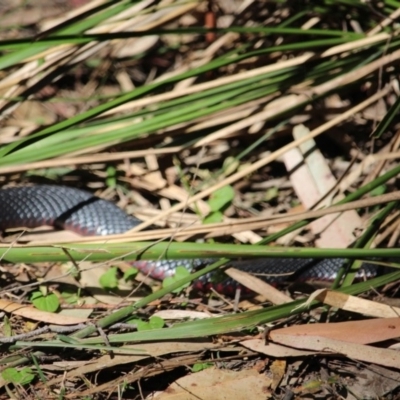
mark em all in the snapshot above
pixel 86 214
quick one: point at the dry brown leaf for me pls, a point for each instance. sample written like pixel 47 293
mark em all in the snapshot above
pixel 217 384
pixel 37 315
pixel 258 286
pixel 135 46
pixel 278 368
pixel 312 178
pixel 355 304
pixel 366 331
pixel 386 357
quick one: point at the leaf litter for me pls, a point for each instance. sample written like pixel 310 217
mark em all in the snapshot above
pixel 342 160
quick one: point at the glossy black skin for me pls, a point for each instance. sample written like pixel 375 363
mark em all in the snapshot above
pixel 62 207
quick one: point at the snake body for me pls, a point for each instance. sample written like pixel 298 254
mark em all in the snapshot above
pixel 81 212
